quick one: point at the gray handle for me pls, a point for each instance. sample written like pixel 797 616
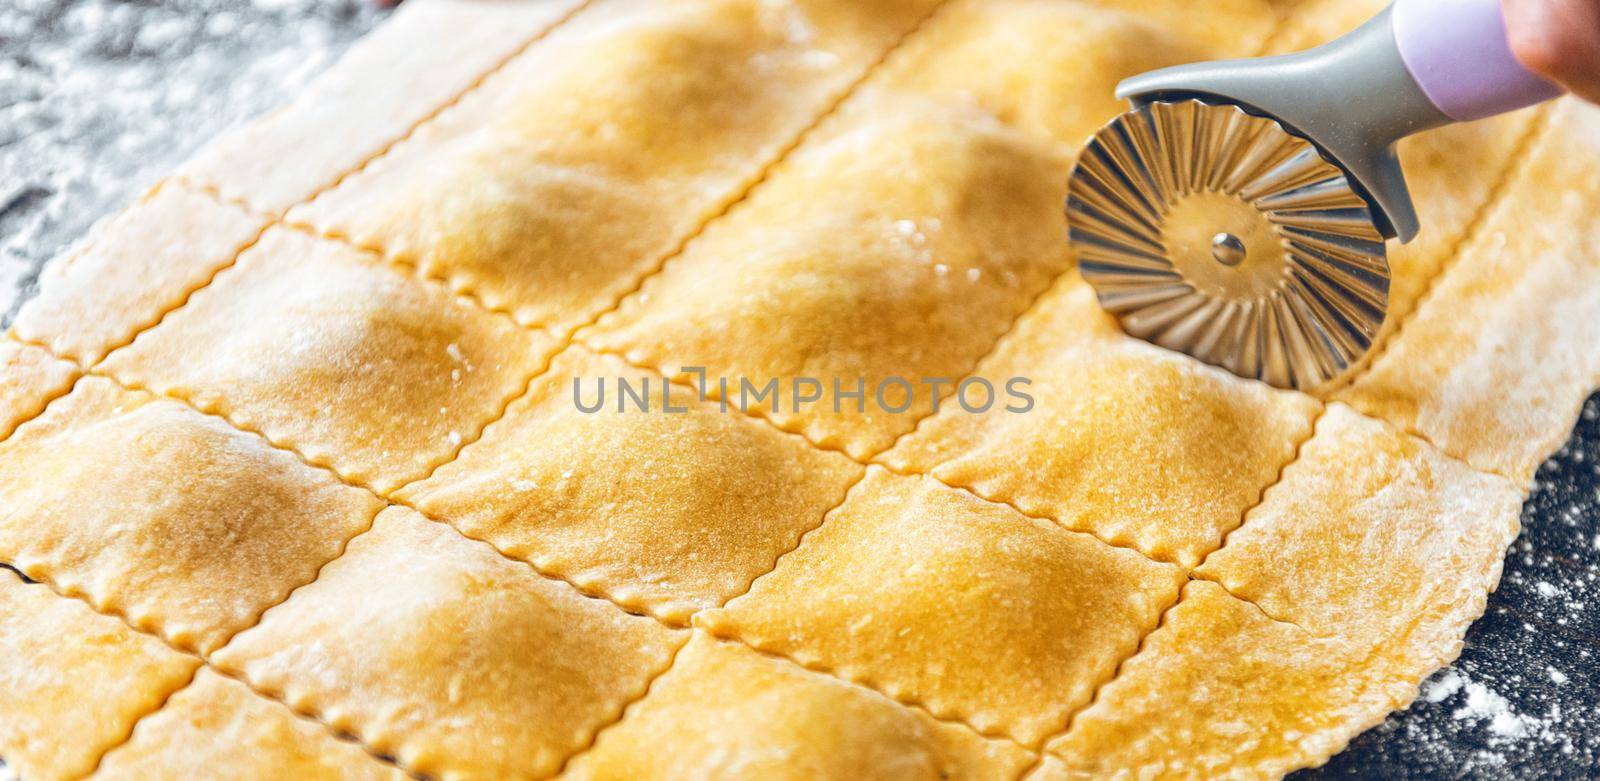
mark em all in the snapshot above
pixel 1352 97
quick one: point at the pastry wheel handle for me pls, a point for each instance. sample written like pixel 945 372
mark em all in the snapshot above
pixel 1418 64
pixel 1459 54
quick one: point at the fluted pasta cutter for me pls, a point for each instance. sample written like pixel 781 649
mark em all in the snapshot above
pixel 1239 212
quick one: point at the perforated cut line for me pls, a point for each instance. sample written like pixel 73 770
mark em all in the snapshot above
pixel 204 664
pixel 1280 27
pixel 1162 618
pixel 622 712
pixel 241 203
pixel 816 666
pixel 589 592
pixel 386 147
pixel 1515 164
pixel 505 406
pixel 531 379
pixel 1109 542
pixel 1000 501
pixel 127 736
pixel 40 405
pixel 601 595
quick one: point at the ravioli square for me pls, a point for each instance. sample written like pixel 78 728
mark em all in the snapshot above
pixel 572 173
pixel 134 269
pixel 218 728
pixel 1127 441
pixel 1503 345
pixel 964 605
pixel 358 108
pixel 669 512
pixel 1050 67
pixel 30 378
pixel 1376 537
pixel 340 356
pixel 441 652
pixel 725 711
pixel 174 519
pixel 1221 690
pixel 893 250
pixel 73 681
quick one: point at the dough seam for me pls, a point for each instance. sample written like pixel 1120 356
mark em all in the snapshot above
pixel 799 542
pixel 183 298
pixel 1261 498
pixel 127 736
pixel 85 243
pixel 1061 279
pixel 152 625
pixel 50 585
pixel 1499 563
pixel 43 405
pixel 622 710
pixel 596 594
pixel 217 194
pixel 388 146
pixel 1222 543
pixel 463 284
pixel 603 594
pixel 219 407
pixel 1072 718
pixel 816 666
pixel 996 500
pixel 1514 167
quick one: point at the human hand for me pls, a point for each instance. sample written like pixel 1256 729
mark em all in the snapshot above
pixel 1559 40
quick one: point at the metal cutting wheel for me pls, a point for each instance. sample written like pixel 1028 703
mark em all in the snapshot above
pixel 1219 233
pixel 1239 211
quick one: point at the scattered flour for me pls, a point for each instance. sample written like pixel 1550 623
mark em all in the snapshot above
pixel 100 98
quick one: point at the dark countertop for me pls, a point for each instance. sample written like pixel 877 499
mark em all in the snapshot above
pixel 99 98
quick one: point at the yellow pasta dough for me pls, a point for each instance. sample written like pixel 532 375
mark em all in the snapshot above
pixel 948 600
pixel 339 356
pixel 73 682
pixel 1374 537
pixel 1496 362
pixel 555 188
pixel 899 246
pixel 1221 689
pixel 151 510
pixel 30 378
pixel 672 512
pixel 461 663
pixel 302 452
pixel 1132 443
pixel 388 83
pixel 728 712
pixel 215 728
pixel 132 269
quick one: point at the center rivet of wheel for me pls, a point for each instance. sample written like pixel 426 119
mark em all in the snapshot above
pixel 1227 249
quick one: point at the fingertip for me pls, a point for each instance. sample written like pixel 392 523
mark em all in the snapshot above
pixel 1557 39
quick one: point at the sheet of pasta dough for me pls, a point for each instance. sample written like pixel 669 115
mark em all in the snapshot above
pixel 293 481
